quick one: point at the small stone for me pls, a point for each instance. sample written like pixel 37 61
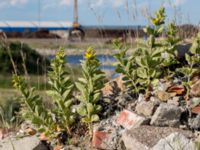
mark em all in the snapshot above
pixel 31 131
pixel 163 86
pixel 129 119
pixel 155 100
pixel 194 123
pixel 164 96
pixel 174 101
pixel 175 141
pixel 141 98
pixel 146 108
pixel 166 115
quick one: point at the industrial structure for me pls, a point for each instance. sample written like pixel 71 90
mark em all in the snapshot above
pixel 62 29
pixel 34 26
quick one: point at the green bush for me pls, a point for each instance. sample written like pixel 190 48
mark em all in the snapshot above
pixel 158 59
pixel 34 62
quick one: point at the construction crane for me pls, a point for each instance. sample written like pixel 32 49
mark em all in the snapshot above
pixel 77 29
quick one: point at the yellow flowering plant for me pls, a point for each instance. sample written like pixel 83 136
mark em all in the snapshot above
pixel 89 86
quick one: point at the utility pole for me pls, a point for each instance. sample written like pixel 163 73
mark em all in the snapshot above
pixel 75 11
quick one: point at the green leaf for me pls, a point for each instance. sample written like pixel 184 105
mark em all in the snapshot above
pixel 86 120
pixel 82 80
pixel 66 94
pixel 96 97
pixel 188 58
pixel 90 108
pixel 82 110
pixel 142 73
pixel 80 87
pixel 95 118
pixel 68 103
pixel 98 108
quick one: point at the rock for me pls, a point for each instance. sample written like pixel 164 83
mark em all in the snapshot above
pixel 141 98
pixel 164 96
pixel 132 143
pixel 195 89
pixel 166 115
pixel 146 137
pixel 123 100
pixel 163 85
pixel 43 146
pixel 115 103
pixel 146 108
pixel 26 143
pixel 155 100
pixel 30 131
pixel 129 119
pixel 175 141
pixel 98 139
pixel 174 101
pixel 107 135
pixel 194 123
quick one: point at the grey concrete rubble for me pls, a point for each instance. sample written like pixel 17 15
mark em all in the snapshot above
pixel 149 137
pixel 146 108
pixel 166 115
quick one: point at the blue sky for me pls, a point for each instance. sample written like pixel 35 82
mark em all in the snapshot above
pixel 99 12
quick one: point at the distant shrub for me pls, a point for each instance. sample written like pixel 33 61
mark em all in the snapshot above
pixel 34 62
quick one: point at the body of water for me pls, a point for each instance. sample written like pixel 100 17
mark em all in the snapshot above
pixel 106 60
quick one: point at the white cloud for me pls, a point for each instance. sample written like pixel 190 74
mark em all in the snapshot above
pixel 65 2
pixel 172 3
pixel 12 2
pixel 113 3
pixel 179 2
pixel 18 2
pixel 118 3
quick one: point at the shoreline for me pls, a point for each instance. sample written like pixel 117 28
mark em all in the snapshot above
pixel 71 52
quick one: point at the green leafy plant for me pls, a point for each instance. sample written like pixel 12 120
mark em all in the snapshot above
pixel 59 118
pixel 61 92
pixel 125 65
pixel 150 61
pixel 90 86
pixel 9 117
pixel 142 68
pixel 156 29
pixel 33 108
pixel 170 53
pixel 193 60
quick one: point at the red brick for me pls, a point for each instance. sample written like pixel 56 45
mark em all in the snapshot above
pixel 129 119
pixel 98 138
